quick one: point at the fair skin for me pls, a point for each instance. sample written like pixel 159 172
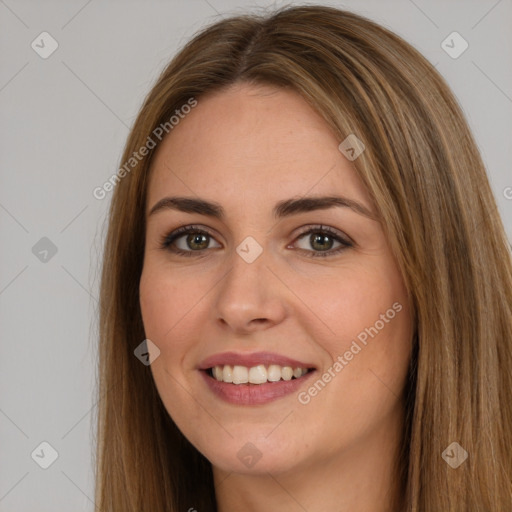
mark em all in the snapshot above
pixel 247 148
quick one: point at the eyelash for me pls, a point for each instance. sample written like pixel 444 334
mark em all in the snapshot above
pixel 167 240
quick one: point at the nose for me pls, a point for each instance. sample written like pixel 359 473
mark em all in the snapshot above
pixel 250 297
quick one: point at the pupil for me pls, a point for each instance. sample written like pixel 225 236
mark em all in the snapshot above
pixel 321 239
pixel 196 238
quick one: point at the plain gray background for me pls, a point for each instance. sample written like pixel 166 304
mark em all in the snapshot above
pixel 64 123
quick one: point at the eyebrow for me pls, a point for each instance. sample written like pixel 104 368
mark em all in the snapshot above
pixel 282 209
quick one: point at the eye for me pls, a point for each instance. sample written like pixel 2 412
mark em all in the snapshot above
pixel 193 240
pixel 322 239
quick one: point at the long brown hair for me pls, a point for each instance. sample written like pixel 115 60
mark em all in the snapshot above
pixel 423 171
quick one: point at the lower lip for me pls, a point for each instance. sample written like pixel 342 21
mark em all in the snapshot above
pixel 254 394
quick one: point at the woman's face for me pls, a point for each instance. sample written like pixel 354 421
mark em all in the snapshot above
pixel 265 284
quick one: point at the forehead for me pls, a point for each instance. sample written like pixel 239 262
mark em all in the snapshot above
pixel 257 142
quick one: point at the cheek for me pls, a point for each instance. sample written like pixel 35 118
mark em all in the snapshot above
pixel 161 306
pixel 153 303
pixel 347 300
pixel 163 299
pixel 361 314
pixel 164 307
pixel 172 313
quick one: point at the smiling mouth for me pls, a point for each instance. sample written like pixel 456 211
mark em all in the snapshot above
pixel 260 374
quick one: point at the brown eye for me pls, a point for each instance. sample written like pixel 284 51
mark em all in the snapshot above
pixel 321 240
pixel 192 241
pixel 187 240
pixel 197 241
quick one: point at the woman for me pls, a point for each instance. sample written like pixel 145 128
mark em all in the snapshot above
pixel 306 298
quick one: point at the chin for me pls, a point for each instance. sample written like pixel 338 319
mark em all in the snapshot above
pixel 274 464
pixel 254 457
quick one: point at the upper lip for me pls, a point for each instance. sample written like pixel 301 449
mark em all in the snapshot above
pixel 250 360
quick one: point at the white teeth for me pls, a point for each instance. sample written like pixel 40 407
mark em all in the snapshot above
pixel 287 373
pixel 227 373
pixel 217 372
pixel 240 375
pixel 256 374
pixel 274 373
